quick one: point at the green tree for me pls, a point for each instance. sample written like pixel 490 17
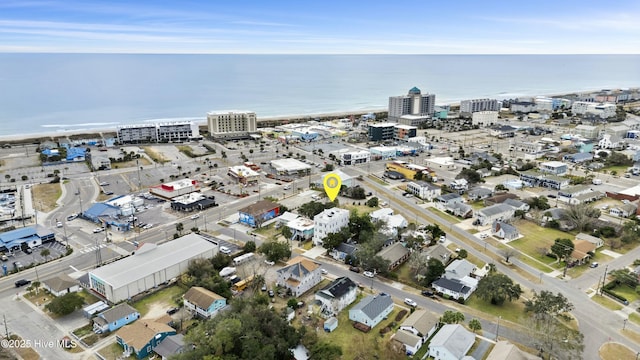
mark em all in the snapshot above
pixel 435 268
pixel 248 330
pixel 274 250
pixel 313 208
pixel 286 232
pixel 562 248
pixel 249 246
pixel 332 240
pixel 462 254
pixel 220 261
pixel 373 202
pixel 452 317
pixel 65 304
pixel 496 288
pixel 179 228
pixel 45 253
pixel 325 350
pixel 581 215
pixel 360 226
pixel 555 338
pixel 472 176
pixel 474 325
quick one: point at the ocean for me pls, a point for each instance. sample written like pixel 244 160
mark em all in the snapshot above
pixel 45 93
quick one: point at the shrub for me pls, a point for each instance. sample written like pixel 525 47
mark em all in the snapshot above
pixel 401 314
pixel 616 296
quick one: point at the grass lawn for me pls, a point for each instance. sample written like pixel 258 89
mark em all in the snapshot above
pixel 619 169
pixel 615 351
pixel 45 196
pixel 362 209
pixel 132 163
pixel 606 302
pixel 511 311
pixel 377 179
pixel 635 317
pixel 156 156
pixel 164 296
pixel 450 218
pixel 357 344
pixel 113 352
pixel 627 292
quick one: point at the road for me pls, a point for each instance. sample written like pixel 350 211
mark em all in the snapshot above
pixel 596 329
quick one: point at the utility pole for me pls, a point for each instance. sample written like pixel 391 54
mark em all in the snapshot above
pixel 604 278
pixel 6 329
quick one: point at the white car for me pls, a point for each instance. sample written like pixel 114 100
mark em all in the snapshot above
pixel 410 302
pixel 442 238
pixel 59 224
pixel 193 217
pixel 97 230
pixel 483 236
pixel 368 274
pixel 268 262
pixel 225 250
pixel 324 272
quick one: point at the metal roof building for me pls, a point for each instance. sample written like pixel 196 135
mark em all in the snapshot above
pixel 30 235
pixel 150 266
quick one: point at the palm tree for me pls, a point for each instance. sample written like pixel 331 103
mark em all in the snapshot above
pixel 45 253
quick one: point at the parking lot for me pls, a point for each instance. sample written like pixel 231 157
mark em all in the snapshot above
pixel 18 258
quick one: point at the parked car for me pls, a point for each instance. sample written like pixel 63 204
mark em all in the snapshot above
pixel 225 250
pixel 28 250
pixel 195 216
pixel 59 224
pixel 368 274
pixel 324 271
pixel 4 257
pixel 483 236
pixel 72 217
pixel 268 262
pixel 22 282
pixel 428 293
pixel 271 293
pixel 594 265
pixel 98 230
pixel 410 302
pixel 354 269
pixel 173 310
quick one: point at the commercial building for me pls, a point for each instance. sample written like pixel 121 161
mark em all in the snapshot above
pixel 158 132
pixel 243 174
pixel 404 132
pixel 352 156
pixel 477 105
pixel 423 190
pixel 407 169
pixel 232 124
pixel 554 167
pixel 327 222
pixel 602 110
pixel 381 131
pixel 150 266
pixel 414 103
pixel 290 167
pixel 30 236
pixel 174 189
pixel 193 202
pixel 484 118
pixel 256 214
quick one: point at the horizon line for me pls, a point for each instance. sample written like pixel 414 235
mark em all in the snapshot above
pixel 314 54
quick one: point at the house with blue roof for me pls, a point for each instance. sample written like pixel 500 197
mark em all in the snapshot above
pixel 76 154
pixel 30 236
pixel 103 213
pixel 371 310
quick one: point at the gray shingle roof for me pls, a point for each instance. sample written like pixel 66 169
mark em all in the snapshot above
pixel 117 312
pixel 452 285
pixel 495 210
pixel 454 338
pixel 372 306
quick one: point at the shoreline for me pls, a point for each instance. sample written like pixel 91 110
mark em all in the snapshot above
pixel 51 135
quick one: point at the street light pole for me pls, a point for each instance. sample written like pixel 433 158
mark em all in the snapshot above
pixel 624 323
pixel 498 328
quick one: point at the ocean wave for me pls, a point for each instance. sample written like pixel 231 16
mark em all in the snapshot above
pixel 80 125
pixel 174 119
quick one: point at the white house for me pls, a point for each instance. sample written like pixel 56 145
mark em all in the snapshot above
pixel 392 222
pixel 452 288
pixel 578 194
pixel 61 284
pixel 327 222
pixel 598 242
pixel 458 269
pixel 300 275
pixel 371 310
pixel 423 190
pixel 554 167
pixel 500 212
pixel 504 231
pixel 451 342
pixel 336 296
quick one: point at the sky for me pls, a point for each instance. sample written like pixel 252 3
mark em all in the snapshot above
pixel 321 27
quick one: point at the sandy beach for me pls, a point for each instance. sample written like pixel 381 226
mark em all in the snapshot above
pixel 99 132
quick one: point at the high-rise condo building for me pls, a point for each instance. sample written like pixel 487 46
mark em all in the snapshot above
pixel 232 124
pixel 414 103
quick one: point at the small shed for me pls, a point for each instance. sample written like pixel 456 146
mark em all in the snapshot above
pixel 331 324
